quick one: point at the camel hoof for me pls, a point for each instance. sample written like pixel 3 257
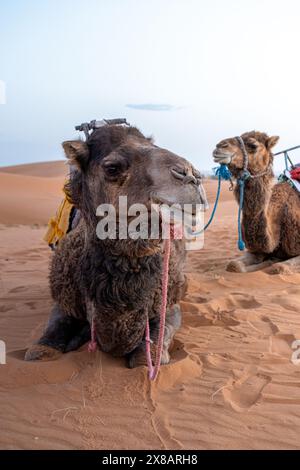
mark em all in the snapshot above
pixel 39 352
pixel 279 269
pixel 236 267
pixel 136 359
pixel 165 358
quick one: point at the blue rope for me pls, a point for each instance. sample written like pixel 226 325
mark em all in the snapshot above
pixel 241 243
pixel 241 182
pixel 223 173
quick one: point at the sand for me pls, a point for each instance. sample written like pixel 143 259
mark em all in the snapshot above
pixel 230 385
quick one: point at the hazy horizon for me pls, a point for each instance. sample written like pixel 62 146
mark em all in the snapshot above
pixel 187 72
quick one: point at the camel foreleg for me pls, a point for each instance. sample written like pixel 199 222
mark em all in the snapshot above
pixel 62 334
pixel 173 321
pixel 289 266
pixel 247 263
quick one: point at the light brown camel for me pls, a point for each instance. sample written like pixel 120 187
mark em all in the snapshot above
pixel 271 211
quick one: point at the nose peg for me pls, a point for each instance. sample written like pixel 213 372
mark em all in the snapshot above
pixel 190 179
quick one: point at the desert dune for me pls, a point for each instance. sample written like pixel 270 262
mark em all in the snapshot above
pixel 230 384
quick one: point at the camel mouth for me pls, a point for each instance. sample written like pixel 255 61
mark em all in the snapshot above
pixel 223 157
pixel 176 214
pixel 190 208
pixel 161 201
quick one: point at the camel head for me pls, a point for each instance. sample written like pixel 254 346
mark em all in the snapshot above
pixel 258 147
pixel 120 161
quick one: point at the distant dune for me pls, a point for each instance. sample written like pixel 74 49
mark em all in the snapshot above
pixel 43 169
pixel 30 194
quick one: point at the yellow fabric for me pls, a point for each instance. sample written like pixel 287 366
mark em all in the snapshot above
pixel 58 225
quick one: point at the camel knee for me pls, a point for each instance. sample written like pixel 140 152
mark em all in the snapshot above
pixel 236 266
pixel 289 266
pixel 246 263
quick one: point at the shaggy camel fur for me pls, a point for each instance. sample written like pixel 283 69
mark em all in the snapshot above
pixel 271 212
pixel 117 283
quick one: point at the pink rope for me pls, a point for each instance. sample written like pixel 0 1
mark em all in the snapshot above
pixel 153 370
pixel 92 346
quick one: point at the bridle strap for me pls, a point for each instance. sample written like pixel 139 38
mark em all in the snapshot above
pixel 244 152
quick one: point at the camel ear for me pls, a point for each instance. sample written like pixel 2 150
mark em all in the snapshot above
pixel 252 141
pixel 77 152
pixel 272 141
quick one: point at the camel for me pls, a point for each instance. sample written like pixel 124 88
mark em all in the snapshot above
pixel 115 284
pixel 271 211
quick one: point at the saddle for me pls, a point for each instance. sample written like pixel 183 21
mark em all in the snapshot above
pixel 61 224
pixel 292 176
pixel 295 173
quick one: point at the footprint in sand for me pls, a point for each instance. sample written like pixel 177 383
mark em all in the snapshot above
pixel 245 392
pixel 5 308
pixel 182 368
pixel 287 302
pixel 246 301
pixel 193 315
pixel 18 289
pixel 196 298
pixel 214 317
pixel 281 344
pixel 273 329
pixel 31 305
pixel 233 301
pixel 221 311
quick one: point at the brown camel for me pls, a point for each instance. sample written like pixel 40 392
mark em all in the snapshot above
pixel 271 211
pixel 116 283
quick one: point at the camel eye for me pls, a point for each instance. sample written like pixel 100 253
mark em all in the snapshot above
pixel 112 169
pixel 252 147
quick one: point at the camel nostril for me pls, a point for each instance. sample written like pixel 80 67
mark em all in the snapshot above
pixel 179 173
pixel 185 175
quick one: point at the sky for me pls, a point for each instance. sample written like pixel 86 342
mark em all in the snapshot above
pixel 188 72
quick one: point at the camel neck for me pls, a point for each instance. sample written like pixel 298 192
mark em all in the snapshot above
pixel 134 249
pixel 257 194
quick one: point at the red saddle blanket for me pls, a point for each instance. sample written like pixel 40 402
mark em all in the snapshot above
pixel 295 173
